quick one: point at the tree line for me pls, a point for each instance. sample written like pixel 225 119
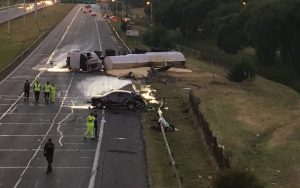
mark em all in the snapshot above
pixel 271 27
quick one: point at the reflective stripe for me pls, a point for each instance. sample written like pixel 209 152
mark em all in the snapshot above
pixel 90 121
pixel 37 87
pixel 47 88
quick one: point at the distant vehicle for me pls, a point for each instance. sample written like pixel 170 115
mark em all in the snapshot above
pixel 106 16
pixel 93 14
pixel 113 18
pixel 119 98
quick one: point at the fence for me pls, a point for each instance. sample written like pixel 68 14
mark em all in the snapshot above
pixel 211 140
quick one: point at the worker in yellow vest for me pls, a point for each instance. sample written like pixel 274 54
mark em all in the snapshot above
pixel 52 93
pixel 90 126
pixel 37 90
pixel 47 91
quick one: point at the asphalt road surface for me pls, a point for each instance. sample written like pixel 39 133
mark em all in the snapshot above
pixel 13 12
pixel 114 160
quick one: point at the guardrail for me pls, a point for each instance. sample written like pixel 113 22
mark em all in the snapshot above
pixel 178 179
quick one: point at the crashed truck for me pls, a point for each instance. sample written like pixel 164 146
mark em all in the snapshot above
pixel 84 61
pixel 93 61
pixel 148 59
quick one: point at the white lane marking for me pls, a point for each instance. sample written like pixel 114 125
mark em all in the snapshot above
pixel 97 154
pixel 40 145
pixel 99 39
pixel 120 138
pixel 56 150
pixel 23 123
pixel 62 38
pixel 35 135
pixel 60 124
pixel 17 113
pixel 13 109
pixel 58 167
pixel 14 104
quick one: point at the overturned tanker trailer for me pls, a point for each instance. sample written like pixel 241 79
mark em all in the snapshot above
pixel 84 61
pixel 148 59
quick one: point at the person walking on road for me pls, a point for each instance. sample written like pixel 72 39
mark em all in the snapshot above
pixel 47 92
pixel 48 153
pixel 26 90
pixel 89 127
pixel 95 125
pixel 52 93
pixel 37 90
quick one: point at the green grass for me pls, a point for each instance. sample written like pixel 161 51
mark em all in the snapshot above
pixel 187 145
pixel 23 34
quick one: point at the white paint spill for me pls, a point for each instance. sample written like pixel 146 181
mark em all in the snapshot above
pixel 148 94
pixel 98 85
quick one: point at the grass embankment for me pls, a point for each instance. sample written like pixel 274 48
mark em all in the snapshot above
pixel 258 123
pixel 196 166
pixel 280 72
pixel 23 32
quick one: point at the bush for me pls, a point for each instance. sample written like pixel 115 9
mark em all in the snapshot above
pixel 242 70
pixel 237 179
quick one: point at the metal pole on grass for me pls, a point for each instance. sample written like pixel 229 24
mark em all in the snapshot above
pixel 24 7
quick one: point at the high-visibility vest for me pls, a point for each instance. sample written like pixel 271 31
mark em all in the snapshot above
pixel 37 87
pixel 90 121
pixel 47 88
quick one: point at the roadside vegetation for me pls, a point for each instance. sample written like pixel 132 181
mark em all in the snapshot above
pixel 24 31
pixel 256 120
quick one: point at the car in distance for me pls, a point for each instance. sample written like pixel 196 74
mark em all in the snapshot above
pixel 119 98
pixel 93 14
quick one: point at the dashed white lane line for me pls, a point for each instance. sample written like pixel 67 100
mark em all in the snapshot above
pixel 47 133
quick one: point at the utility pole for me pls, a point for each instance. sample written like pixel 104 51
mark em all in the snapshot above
pixel 35 11
pixel 8 23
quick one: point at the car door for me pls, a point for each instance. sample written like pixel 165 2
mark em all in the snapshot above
pixel 123 99
pixel 112 99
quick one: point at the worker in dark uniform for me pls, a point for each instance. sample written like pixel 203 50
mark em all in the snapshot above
pixel 95 125
pixel 47 88
pixel 26 90
pixel 37 90
pixel 48 153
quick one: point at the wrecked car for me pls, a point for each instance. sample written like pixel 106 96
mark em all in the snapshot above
pixel 119 98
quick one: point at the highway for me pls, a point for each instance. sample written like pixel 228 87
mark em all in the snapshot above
pixel 116 159
pixel 13 12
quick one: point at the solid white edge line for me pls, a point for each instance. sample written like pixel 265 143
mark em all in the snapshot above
pixel 97 154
